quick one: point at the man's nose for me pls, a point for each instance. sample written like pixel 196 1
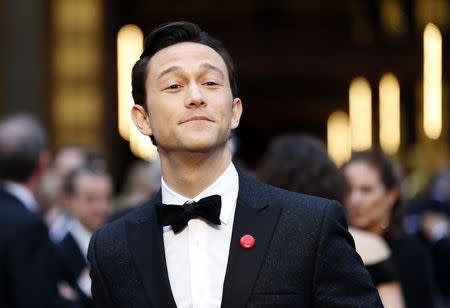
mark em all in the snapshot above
pixel 196 97
pixel 104 207
pixel 354 199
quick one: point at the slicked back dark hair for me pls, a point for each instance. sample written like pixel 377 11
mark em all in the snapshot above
pixel 170 34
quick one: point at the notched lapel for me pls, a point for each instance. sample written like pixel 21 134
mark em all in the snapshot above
pixel 146 245
pixel 244 264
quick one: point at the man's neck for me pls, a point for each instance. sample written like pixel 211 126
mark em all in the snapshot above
pixel 190 174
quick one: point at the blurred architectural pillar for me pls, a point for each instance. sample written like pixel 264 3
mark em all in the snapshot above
pixel 77 73
pixel 360 111
pixel 23 73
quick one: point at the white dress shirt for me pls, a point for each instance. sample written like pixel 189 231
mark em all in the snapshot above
pixel 23 194
pixel 60 225
pixel 197 256
pixel 82 236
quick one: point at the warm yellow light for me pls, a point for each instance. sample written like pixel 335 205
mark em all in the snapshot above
pixel 389 114
pixel 129 48
pixel 432 81
pixel 338 137
pixel 360 109
pixel 141 145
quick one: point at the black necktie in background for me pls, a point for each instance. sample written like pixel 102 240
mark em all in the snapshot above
pixel 178 216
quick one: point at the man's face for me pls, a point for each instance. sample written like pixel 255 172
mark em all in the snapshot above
pixel 91 201
pixel 189 100
pixel 66 161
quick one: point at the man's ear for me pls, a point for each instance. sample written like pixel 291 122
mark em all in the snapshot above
pixel 237 112
pixel 141 119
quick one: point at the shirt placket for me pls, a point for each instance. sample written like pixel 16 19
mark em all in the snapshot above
pixel 199 262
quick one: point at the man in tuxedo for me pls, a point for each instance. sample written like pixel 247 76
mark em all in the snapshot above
pixel 213 236
pixel 88 190
pixel 27 273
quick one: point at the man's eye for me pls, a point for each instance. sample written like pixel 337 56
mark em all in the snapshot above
pixel 211 83
pixel 366 189
pixel 174 86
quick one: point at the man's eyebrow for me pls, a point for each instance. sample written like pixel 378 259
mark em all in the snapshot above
pixel 168 70
pixel 212 67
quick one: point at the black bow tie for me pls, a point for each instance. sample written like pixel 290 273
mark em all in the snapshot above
pixel 178 216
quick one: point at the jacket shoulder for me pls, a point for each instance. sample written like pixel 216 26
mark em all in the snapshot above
pixel 291 202
pixel 15 218
pixel 113 232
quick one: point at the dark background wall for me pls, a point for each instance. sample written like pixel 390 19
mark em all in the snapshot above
pixel 295 59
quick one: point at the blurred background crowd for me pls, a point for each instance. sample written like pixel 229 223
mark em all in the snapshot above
pixel 347 100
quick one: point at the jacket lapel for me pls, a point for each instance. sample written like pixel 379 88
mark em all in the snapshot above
pixel 73 253
pixel 146 246
pixel 257 218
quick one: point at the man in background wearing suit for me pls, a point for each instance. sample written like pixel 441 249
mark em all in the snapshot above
pixel 213 236
pixel 27 273
pixel 88 190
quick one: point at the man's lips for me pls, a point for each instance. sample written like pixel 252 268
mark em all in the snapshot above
pixel 196 118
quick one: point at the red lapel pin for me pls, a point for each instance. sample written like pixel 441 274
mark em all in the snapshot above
pixel 247 241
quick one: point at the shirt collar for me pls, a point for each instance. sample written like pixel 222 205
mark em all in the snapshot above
pixel 22 193
pixel 226 185
pixel 81 235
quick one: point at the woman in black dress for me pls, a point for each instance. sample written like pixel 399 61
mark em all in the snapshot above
pixel 374 205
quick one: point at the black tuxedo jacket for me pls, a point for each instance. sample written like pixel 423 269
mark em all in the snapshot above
pixel 71 264
pixel 303 256
pixel 27 262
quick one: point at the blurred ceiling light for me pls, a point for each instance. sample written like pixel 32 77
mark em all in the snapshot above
pixel 130 42
pixel 338 137
pixel 389 91
pixel 129 47
pixel 360 109
pixel 432 81
pixel 141 145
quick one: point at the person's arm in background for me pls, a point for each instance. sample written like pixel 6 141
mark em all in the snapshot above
pixel 375 254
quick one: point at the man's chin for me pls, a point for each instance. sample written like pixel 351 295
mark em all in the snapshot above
pixel 201 146
pixel 358 223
